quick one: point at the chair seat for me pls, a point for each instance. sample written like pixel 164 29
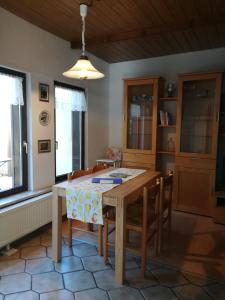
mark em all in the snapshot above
pixel 134 214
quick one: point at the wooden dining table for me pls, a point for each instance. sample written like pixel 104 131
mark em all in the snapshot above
pixel 118 197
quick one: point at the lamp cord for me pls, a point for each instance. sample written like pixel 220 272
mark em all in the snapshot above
pixel 83 35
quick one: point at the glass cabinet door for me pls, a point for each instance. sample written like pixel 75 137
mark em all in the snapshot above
pixel 197 116
pixel 139 116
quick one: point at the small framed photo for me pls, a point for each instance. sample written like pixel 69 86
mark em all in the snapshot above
pixel 44 146
pixel 44 92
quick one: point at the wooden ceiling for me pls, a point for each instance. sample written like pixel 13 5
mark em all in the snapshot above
pixel 122 30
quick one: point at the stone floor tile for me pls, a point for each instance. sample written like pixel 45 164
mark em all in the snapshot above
pixel 169 277
pixel 190 291
pixel 66 251
pixel 197 280
pixel 158 293
pixel 69 264
pixel 153 265
pixel 46 239
pixel 125 293
pixel 57 295
pixel 39 265
pixel 74 241
pixel 12 266
pixel 134 278
pixel 82 250
pixel 47 282
pixel 217 291
pixel 15 255
pixel 94 263
pixel 15 283
pixel 29 295
pixel 78 281
pixel 130 263
pixel 29 241
pixel 106 280
pixel 93 294
pixel 33 252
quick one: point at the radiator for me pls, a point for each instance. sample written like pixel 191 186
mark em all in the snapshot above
pixel 20 219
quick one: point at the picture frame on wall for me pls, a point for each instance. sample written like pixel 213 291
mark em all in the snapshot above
pixel 43 92
pixel 44 146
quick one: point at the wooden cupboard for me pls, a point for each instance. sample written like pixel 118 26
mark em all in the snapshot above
pixel 196 141
pixel 140 121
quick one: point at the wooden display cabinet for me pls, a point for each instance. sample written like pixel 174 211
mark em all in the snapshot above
pixel 196 143
pixel 140 121
pixel 166 134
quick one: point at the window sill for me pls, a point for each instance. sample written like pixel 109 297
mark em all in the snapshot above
pixel 7 201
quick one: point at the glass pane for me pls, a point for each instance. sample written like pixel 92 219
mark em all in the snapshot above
pixel 68 138
pixel 140 106
pixel 197 116
pixel 11 175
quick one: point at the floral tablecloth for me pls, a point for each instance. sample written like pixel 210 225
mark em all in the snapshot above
pixel 84 199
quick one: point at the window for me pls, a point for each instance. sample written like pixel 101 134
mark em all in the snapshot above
pixel 13 135
pixel 70 105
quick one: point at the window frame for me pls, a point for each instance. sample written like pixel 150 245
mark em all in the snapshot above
pixel 24 187
pixel 75 88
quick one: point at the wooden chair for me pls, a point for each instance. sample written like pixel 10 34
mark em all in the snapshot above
pixel 79 173
pixel 142 217
pixel 166 194
pixel 74 175
pixel 98 168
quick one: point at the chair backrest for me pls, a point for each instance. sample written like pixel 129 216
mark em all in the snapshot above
pixel 79 173
pixel 166 188
pixel 151 195
pixel 98 168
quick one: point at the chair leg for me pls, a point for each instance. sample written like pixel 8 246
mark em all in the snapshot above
pixel 170 219
pixel 90 227
pixel 105 230
pixel 100 240
pixel 160 239
pixel 127 236
pixel 70 233
pixel 143 254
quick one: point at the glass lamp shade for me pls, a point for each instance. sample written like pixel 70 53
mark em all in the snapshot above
pixel 83 69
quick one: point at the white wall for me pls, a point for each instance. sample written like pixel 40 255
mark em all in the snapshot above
pixel 44 57
pixel 166 66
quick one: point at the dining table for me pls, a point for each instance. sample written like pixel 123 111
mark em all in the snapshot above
pixel 119 197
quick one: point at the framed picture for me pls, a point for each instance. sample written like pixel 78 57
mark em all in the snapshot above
pixel 44 146
pixel 44 118
pixel 44 92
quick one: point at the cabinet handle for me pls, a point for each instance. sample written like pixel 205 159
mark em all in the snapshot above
pixel 194 158
pixel 217 117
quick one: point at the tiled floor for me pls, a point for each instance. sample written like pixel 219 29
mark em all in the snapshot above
pixel 30 274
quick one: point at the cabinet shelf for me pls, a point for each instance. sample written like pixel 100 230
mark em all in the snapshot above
pixel 166 152
pixel 167 126
pixel 168 99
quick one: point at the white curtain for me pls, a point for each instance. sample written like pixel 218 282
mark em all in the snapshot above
pixel 70 99
pixel 11 89
pixel 66 101
pixel 11 93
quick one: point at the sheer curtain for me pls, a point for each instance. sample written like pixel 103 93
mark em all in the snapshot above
pixel 66 101
pixel 11 93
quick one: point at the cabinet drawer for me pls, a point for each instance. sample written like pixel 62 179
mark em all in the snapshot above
pixel 139 158
pixel 195 162
pixel 128 164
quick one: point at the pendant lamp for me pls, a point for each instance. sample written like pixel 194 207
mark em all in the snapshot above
pixel 83 68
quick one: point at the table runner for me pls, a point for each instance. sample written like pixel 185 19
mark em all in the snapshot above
pixel 84 199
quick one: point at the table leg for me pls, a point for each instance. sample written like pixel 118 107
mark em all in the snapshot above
pixel 56 225
pixel 120 241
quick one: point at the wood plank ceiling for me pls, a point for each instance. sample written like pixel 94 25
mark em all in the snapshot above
pixel 122 30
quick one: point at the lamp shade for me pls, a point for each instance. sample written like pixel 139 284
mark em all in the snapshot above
pixel 83 69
